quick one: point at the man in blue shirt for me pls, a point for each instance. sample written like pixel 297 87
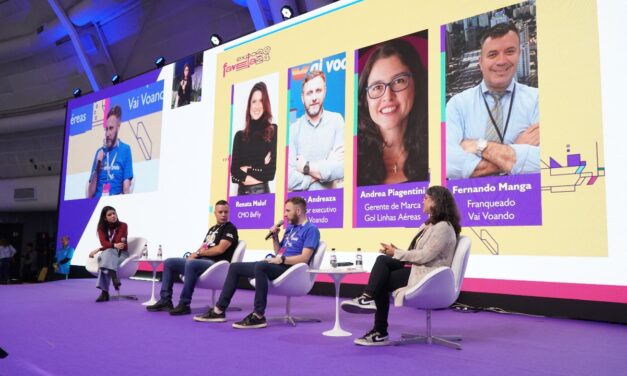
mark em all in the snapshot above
pixel 493 128
pixel 63 257
pixel 299 243
pixel 112 170
pixel 316 148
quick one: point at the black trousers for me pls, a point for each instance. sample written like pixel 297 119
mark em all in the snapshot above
pixel 387 275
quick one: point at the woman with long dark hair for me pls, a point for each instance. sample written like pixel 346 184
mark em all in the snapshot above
pixel 432 247
pixel 253 161
pixel 113 250
pixel 392 116
pixel 184 91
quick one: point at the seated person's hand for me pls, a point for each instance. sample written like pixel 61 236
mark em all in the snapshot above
pixel 119 246
pixel 274 260
pixel 94 252
pixel 388 249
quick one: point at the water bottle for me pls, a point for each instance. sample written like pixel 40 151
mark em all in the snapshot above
pixel 333 258
pixel 145 252
pixel 160 252
pixel 359 261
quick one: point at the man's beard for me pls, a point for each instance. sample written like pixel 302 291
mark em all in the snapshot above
pixel 310 113
pixel 112 143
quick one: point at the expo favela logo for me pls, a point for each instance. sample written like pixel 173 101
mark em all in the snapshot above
pixel 246 61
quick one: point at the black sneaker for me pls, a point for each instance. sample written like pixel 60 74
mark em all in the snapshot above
pixel 361 304
pixel 104 297
pixel 373 338
pixel 251 322
pixel 211 316
pixel 161 305
pixel 181 309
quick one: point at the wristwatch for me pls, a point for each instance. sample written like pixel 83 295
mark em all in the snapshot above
pixel 306 168
pixel 282 259
pixel 482 143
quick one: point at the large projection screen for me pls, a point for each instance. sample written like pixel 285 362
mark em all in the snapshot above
pixel 549 226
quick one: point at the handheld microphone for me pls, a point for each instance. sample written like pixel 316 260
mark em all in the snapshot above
pixel 278 224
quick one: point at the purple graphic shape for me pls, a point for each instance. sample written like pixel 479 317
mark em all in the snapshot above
pixel 573 160
pixel 325 208
pixel 511 200
pixel 553 163
pixel 393 205
pixel 252 211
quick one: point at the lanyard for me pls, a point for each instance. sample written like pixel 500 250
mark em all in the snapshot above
pixel 112 234
pixel 109 164
pixel 509 112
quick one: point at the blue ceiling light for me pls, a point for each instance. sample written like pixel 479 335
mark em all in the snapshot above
pixel 77 92
pixel 160 61
pixel 115 79
pixel 215 40
pixel 287 12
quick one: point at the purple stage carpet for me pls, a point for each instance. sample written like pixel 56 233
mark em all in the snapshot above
pixel 56 328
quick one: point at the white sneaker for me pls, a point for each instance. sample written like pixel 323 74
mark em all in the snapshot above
pixel 361 304
pixel 373 338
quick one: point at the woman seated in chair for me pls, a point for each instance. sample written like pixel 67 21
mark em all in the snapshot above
pixel 432 247
pixel 112 234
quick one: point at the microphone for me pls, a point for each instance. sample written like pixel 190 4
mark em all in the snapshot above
pixel 278 224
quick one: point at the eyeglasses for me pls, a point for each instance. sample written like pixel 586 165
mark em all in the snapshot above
pixel 399 83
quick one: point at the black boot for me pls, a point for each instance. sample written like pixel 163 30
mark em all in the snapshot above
pixel 104 297
pixel 115 280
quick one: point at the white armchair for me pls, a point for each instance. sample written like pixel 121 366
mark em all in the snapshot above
pixel 127 268
pixel 438 289
pixel 214 277
pixel 296 281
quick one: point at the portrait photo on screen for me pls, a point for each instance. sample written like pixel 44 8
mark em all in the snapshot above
pixel 187 82
pixel 316 133
pixel 392 131
pixel 492 117
pixel 114 145
pixel 254 130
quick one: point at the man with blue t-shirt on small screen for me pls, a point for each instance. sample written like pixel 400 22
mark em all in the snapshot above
pixel 112 170
pixel 299 243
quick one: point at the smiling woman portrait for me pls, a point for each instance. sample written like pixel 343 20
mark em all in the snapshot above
pixel 392 137
pixel 253 161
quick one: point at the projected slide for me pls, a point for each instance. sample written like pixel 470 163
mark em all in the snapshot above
pixel 253 152
pixel 114 145
pixel 359 107
pixel 492 117
pixel 187 82
pixel 315 161
pixel 392 164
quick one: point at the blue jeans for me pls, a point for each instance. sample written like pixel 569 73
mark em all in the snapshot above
pixel 262 271
pixel 190 269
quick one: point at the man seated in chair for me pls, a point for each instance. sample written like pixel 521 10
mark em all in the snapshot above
pixel 299 243
pixel 219 244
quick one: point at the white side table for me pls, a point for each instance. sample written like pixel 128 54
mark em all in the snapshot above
pixel 154 263
pixel 337 274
